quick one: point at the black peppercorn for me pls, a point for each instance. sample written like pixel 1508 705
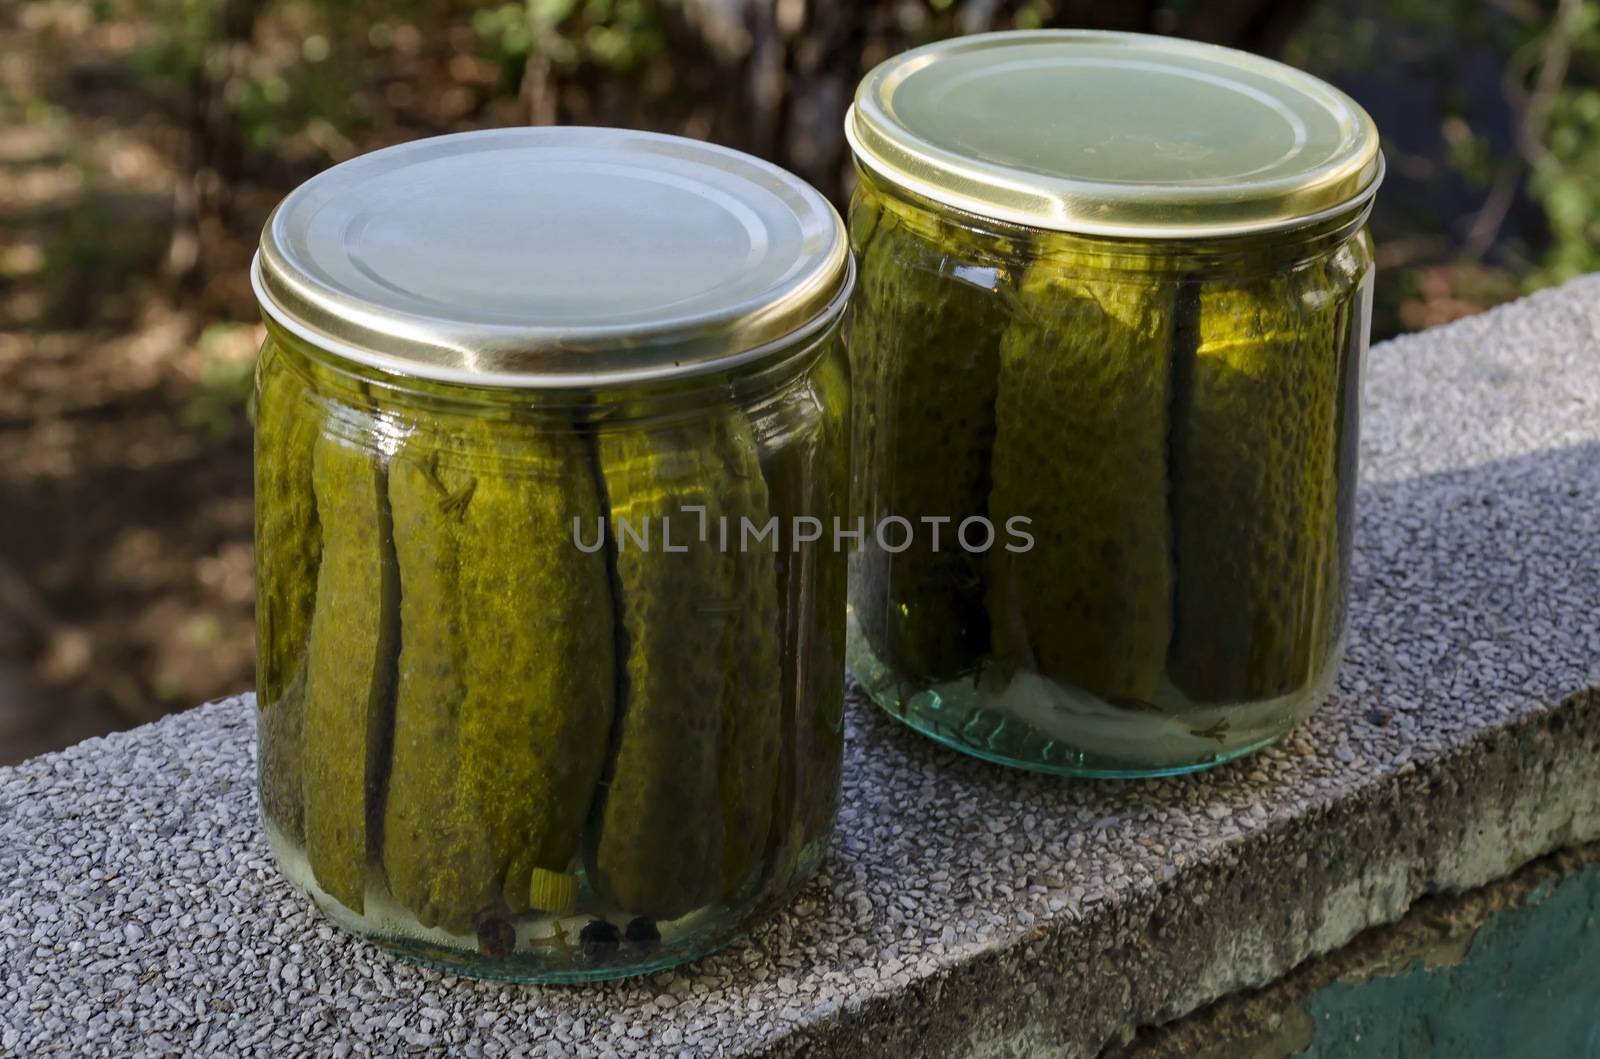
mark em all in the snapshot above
pixel 497 938
pixel 642 931
pixel 599 939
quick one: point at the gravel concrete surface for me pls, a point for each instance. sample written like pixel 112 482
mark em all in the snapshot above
pixel 964 909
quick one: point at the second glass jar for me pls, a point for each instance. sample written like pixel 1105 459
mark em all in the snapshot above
pixel 1106 348
pixel 1113 483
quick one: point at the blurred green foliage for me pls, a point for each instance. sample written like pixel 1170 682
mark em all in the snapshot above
pixel 305 80
pixel 226 384
pixel 1514 92
pixel 297 84
pixel 616 35
pixel 1566 174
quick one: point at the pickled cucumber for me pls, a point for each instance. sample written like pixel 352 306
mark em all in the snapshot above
pixel 752 694
pixel 1081 450
pixel 350 668
pixel 1256 486
pixel 808 472
pixel 696 738
pixel 506 691
pixel 429 859
pixel 822 720
pixel 1351 268
pixel 924 350
pixel 862 358
pixel 290 542
pixel 280 746
pixel 795 484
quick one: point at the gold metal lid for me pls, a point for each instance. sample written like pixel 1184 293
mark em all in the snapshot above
pixel 553 257
pixel 1117 134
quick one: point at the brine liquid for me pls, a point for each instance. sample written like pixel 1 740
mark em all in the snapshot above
pixel 544 947
pixel 1029 721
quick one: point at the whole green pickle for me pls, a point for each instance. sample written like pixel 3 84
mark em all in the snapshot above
pixel 1080 450
pixel 280 746
pixel 795 486
pixel 752 697
pixel 929 310
pixel 289 542
pixel 506 680
pixel 350 668
pixel 695 743
pixel 823 721
pixel 1351 270
pixel 809 473
pixel 1255 486
pixel 862 358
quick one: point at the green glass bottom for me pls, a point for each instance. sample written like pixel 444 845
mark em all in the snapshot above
pixel 1034 723
pixel 548 949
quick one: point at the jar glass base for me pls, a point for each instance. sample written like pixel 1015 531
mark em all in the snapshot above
pixel 546 949
pixel 1030 722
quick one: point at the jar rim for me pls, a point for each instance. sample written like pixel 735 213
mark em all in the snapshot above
pixel 774 350
pixel 1114 134
pixel 1331 225
pixel 553 257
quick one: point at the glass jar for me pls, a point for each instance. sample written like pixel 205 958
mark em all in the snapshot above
pixel 550 655
pixel 1106 395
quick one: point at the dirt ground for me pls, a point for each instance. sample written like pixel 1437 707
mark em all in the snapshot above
pixel 125 508
pixel 126 568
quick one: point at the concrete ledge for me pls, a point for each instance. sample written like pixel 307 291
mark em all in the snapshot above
pixel 965 910
pixel 1505 970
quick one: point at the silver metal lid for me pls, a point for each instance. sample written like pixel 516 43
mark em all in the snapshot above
pixel 1118 134
pixel 553 257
